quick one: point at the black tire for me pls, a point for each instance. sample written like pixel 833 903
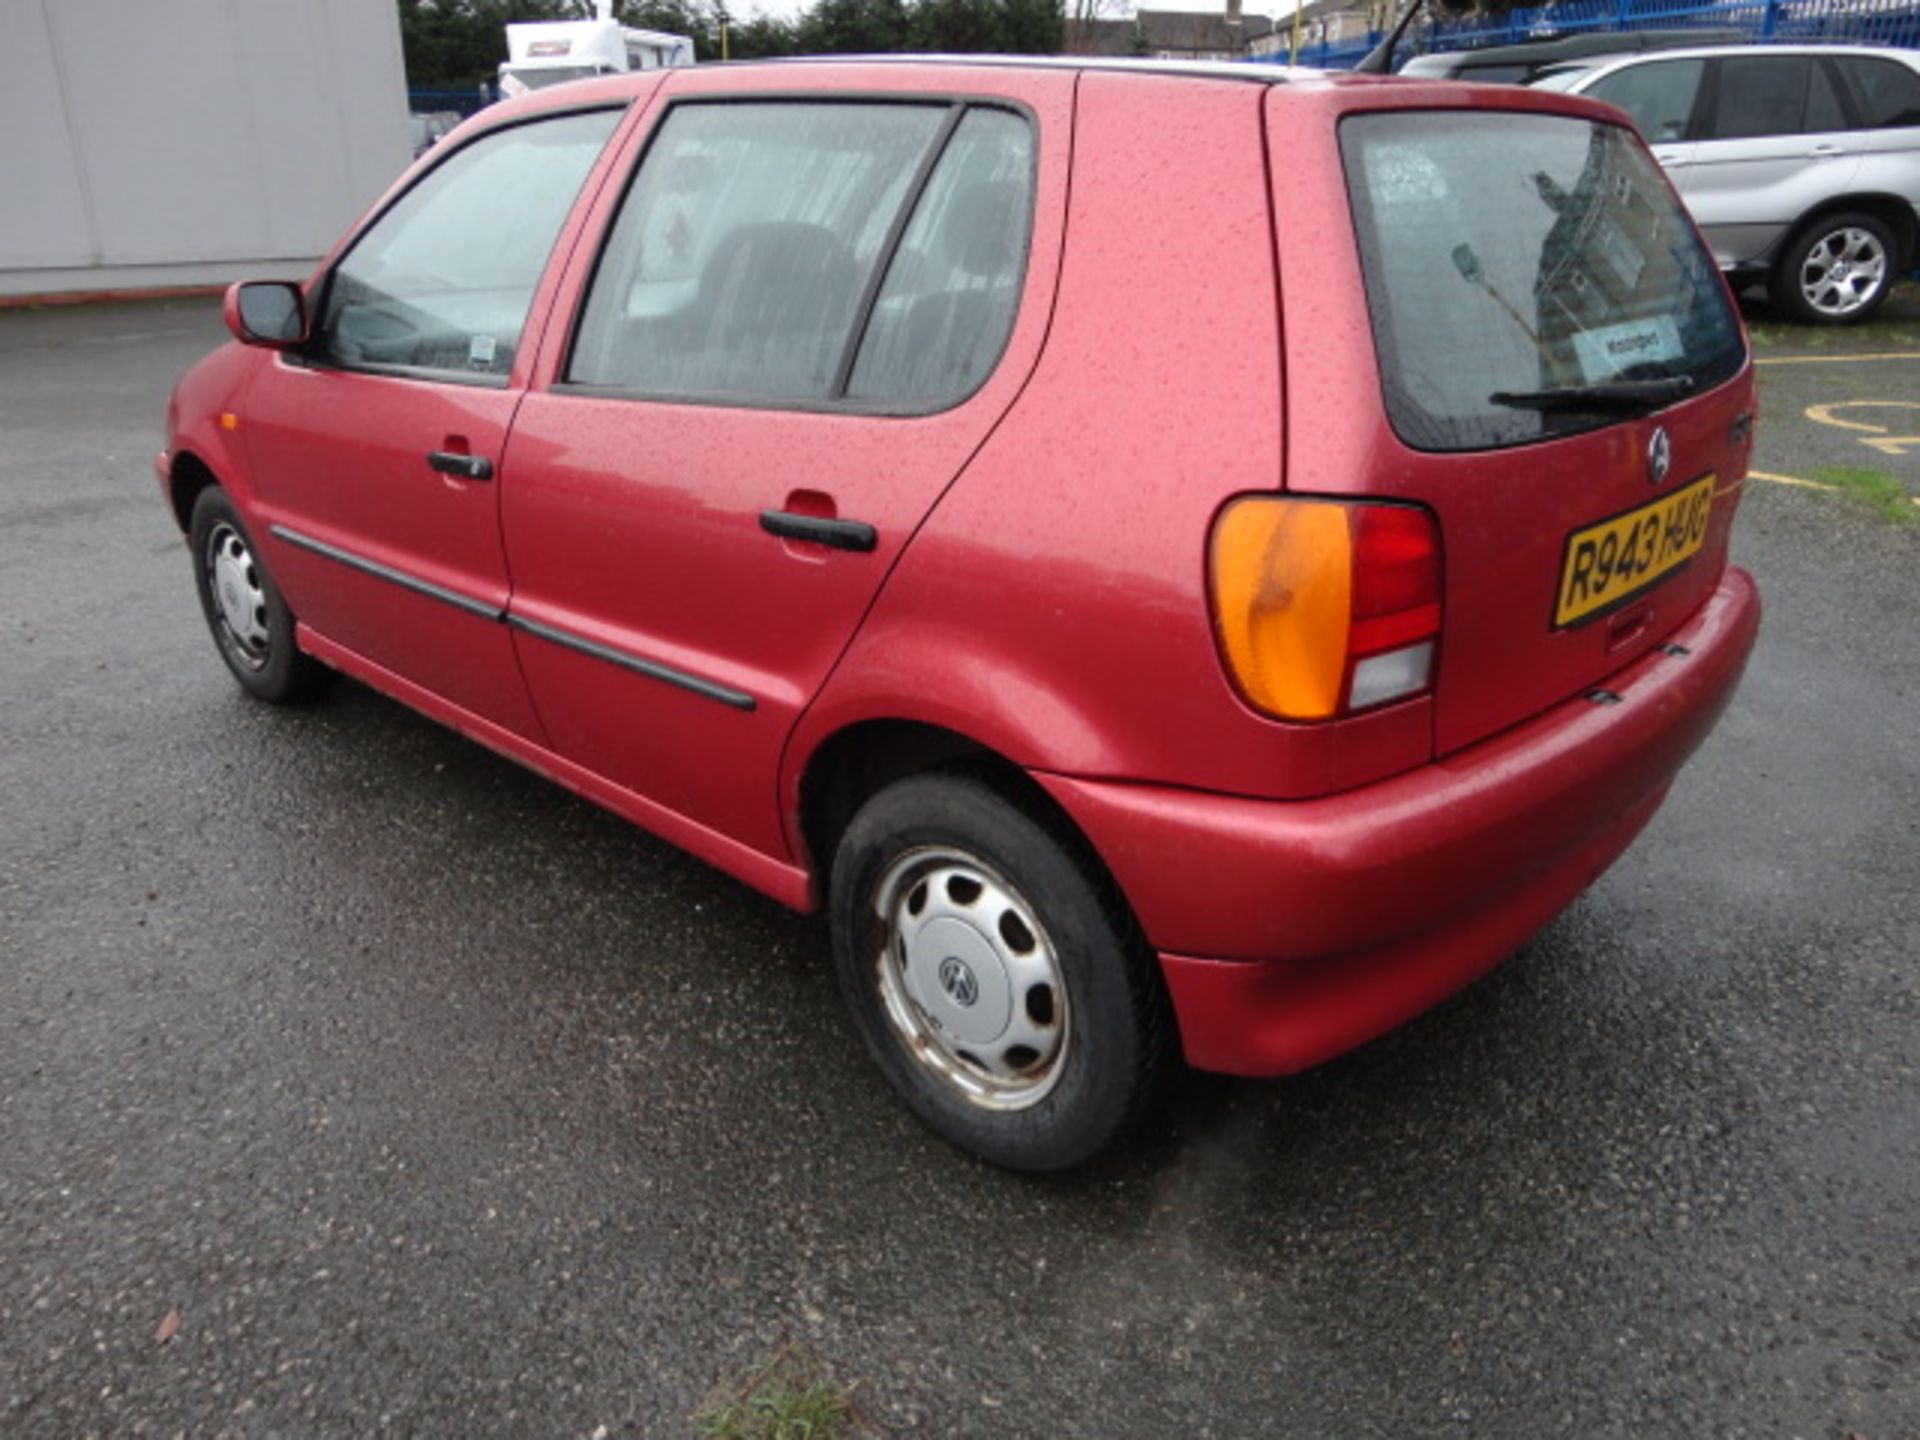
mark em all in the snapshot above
pixel 252 628
pixel 1861 246
pixel 1112 1027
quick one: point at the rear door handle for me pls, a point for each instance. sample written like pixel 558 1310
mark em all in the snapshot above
pixel 467 467
pixel 1825 150
pixel 840 534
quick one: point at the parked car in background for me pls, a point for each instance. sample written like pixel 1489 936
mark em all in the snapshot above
pixel 1800 163
pixel 1524 62
pixel 765 453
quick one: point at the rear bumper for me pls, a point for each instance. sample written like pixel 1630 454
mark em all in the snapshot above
pixel 1290 932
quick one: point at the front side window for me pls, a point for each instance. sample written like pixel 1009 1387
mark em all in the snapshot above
pixel 1659 96
pixel 442 281
pixel 1507 255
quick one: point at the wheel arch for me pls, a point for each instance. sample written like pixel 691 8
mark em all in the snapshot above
pixel 1897 213
pixel 855 762
pixel 187 476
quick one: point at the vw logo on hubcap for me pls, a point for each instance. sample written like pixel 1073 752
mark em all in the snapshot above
pixel 957 980
pixel 1659 455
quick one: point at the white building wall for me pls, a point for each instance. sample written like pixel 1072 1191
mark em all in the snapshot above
pixel 179 142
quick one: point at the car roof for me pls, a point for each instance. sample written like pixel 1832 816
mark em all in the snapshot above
pixel 1242 72
pixel 1549 49
pixel 1711 52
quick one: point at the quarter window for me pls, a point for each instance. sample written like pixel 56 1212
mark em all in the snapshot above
pixel 1658 96
pixel 1886 91
pixel 442 281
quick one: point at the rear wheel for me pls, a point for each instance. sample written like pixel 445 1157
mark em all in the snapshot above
pixel 998 980
pixel 1836 270
pixel 251 624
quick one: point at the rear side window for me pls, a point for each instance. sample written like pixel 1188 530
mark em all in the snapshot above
pixel 1507 253
pixel 761 237
pixel 1659 96
pixel 1760 95
pixel 442 281
pixel 1886 92
pixel 943 314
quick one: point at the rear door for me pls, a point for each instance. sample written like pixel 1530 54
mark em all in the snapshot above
pixel 1494 254
pixel 812 303
pixel 1774 143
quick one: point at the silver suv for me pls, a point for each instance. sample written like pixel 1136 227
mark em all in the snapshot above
pixel 1800 163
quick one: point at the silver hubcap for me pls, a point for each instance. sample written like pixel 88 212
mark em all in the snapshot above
pixel 240 602
pixel 1843 271
pixel 970 980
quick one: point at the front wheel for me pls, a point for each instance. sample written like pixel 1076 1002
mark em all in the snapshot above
pixel 1835 271
pixel 996 977
pixel 251 624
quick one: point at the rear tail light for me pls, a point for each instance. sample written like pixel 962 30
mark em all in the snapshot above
pixel 1323 608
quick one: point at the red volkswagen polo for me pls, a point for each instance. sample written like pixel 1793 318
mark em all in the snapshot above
pixel 1175 559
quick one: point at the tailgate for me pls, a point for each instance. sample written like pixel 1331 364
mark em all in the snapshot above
pixel 1554 369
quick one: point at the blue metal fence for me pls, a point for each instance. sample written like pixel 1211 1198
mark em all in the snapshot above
pixel 465 102
pixel 1872 22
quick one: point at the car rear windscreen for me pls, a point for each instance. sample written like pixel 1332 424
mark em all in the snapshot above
pixel 1509 254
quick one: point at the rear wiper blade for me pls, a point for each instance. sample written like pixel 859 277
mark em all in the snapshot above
pixel 1630 397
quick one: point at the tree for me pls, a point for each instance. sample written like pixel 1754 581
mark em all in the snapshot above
pixel 457 44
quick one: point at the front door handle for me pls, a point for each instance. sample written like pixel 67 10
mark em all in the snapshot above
pixel 840 534
pixel 467 467
pixel 1825 151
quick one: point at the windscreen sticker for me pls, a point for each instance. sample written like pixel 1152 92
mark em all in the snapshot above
pixel 1611 350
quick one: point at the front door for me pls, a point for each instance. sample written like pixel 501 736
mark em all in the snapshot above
pixel 376 449
pixel 807 314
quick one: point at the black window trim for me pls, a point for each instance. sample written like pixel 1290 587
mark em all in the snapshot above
pixel 309 356
pixel 957 104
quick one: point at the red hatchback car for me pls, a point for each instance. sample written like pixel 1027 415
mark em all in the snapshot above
pixel 1171 557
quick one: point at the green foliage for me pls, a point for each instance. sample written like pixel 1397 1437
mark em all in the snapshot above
pixel 1873 489
pixel 792 1397
pixel 457 44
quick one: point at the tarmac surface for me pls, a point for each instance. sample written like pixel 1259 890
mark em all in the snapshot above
pixel 427 1099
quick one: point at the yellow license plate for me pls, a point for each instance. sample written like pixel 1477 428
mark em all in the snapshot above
pixel 1616 559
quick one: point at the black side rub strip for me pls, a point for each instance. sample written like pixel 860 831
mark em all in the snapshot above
pixel 391 575
pixel 653 669
pixel 840 534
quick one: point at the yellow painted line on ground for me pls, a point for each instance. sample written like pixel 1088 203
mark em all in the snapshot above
pixel 1789 480
pixel 1835 359
pixel 1803 484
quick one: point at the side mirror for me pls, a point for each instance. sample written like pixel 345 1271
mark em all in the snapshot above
pixel 272 313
